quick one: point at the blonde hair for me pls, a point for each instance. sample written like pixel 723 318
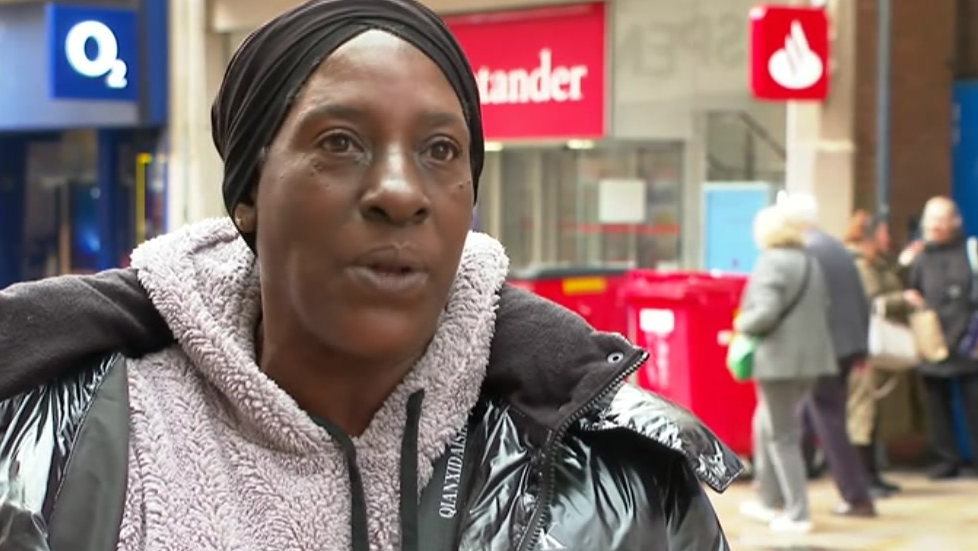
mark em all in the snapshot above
pixel 800 209
pixel 774 228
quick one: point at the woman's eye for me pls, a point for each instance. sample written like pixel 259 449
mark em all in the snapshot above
pixel 338 143
pixel 443 151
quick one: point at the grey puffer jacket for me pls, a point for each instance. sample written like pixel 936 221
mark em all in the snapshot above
pixel 559 453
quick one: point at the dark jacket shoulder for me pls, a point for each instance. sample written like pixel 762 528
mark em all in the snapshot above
pixel 83 416
pixel 670 428
pixel 49 327
pixel 557 370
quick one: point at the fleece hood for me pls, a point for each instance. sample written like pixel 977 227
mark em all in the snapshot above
pixel 207 391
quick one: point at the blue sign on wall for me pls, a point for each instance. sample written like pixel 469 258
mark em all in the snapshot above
pixel 728 219
pixel 94 53
pixel 964 154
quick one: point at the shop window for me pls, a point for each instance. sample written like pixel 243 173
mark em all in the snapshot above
pixel 545 204
pixel 59 170
pixel 82 215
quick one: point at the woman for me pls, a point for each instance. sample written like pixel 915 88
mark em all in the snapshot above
pixel 883 287
pixel 784 305
pixel 941 278
pixel 349 369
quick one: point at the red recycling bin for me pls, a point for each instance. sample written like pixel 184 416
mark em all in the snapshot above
pixel 685 320
pixel 594 292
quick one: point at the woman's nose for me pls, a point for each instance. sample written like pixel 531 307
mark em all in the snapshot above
pixel 395 194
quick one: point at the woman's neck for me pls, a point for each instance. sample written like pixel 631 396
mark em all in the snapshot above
pixel 346 391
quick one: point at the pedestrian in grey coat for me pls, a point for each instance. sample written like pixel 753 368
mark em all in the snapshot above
pixel 785 306
pixel 824 413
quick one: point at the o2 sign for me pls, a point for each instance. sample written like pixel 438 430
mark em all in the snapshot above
pixel 105 63
pixel 94 53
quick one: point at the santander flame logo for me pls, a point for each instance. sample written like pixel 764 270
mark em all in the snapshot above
pixel 796 66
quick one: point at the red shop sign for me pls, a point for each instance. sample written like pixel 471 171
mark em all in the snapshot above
pixel 541 72
pixel 789 53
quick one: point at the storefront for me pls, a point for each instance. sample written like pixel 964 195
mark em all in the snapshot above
pixel 82 134
pixel 555 182
pixel 605 122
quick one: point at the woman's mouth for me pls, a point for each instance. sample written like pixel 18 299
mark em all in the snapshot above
pixel 391 270
pixel 392 281
pixel 392 273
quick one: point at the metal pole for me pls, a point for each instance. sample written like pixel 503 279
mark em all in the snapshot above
pixel 885 35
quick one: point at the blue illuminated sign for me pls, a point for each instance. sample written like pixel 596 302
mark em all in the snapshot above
pixel 964 153
pixel 728 216
pixel 93 53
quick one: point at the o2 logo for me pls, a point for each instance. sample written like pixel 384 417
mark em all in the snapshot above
pixel 94 52
pixel 105 63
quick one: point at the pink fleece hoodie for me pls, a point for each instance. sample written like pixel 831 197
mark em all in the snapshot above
pixel 221 458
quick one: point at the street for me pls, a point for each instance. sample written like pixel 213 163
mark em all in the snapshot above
pixel 926 516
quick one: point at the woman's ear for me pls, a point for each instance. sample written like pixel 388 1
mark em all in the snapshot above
pixel 245 217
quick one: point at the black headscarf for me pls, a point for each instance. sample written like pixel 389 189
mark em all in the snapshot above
pixel 274 62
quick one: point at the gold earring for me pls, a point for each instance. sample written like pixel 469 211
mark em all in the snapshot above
pixel 244 218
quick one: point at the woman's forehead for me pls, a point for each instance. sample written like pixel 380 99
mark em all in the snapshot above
pixel 374 68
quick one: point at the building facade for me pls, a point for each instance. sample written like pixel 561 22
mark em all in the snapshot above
pixel 83 114
pixel 609 123
pixel 590 105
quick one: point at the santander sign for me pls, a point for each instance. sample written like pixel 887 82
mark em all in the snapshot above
pixel 541 72
pixel 542 84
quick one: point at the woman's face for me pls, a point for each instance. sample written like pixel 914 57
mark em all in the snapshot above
pixel 365 200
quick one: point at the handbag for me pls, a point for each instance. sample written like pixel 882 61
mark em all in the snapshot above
pixel 891 344
pixel 740 354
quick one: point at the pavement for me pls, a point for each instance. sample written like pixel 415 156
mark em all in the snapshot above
pixel 926 516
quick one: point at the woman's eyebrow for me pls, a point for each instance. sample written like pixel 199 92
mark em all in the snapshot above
pixel 350 113
pixel 442 118
pixel 332 111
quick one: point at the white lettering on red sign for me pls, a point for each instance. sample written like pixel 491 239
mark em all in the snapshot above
pixel 542 84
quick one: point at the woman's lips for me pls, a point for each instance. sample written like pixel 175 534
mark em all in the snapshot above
pixel 391 271
pixel 391 280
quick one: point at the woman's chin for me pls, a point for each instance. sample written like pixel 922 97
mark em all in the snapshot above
pixel 383 336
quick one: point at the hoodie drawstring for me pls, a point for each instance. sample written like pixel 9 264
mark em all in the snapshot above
pixel 409 473
pixel 359 536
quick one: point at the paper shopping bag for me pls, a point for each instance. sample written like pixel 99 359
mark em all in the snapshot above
pixel 928 336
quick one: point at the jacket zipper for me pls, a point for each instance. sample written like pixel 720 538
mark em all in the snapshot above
pixel 537 521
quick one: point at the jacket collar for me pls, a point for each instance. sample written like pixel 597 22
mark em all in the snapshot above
pixel 553 368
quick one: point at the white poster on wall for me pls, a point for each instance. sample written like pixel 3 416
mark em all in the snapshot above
pixel 621 201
